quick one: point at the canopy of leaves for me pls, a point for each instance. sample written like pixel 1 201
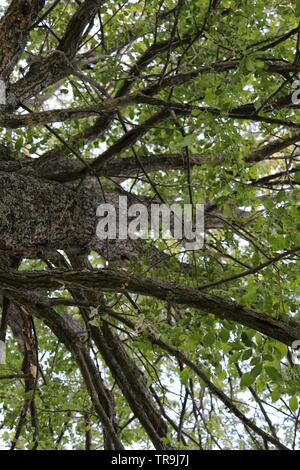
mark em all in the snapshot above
pixel 148 345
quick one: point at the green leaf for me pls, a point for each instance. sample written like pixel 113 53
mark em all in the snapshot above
pixel 256 371
pixel 276 394
pixel 246 340
pixel 297 173
pixel 293 404
pixel 187 140
pixel 246 355
pixel 273 373
pixel 19 143
pixel 184 376
pixel 247 379
pixel 209 339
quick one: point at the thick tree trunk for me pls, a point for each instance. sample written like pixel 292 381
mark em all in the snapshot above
pixel 39 217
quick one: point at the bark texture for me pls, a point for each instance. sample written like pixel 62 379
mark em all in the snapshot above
pixel 141 117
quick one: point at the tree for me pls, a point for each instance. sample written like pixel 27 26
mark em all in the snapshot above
pixel 115 344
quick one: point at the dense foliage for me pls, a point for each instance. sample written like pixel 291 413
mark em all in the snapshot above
pixel 141 344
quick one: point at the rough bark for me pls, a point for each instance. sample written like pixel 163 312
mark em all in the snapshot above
pixel 14 32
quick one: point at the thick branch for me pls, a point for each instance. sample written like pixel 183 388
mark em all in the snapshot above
pixel 118 281
pixel 14 31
